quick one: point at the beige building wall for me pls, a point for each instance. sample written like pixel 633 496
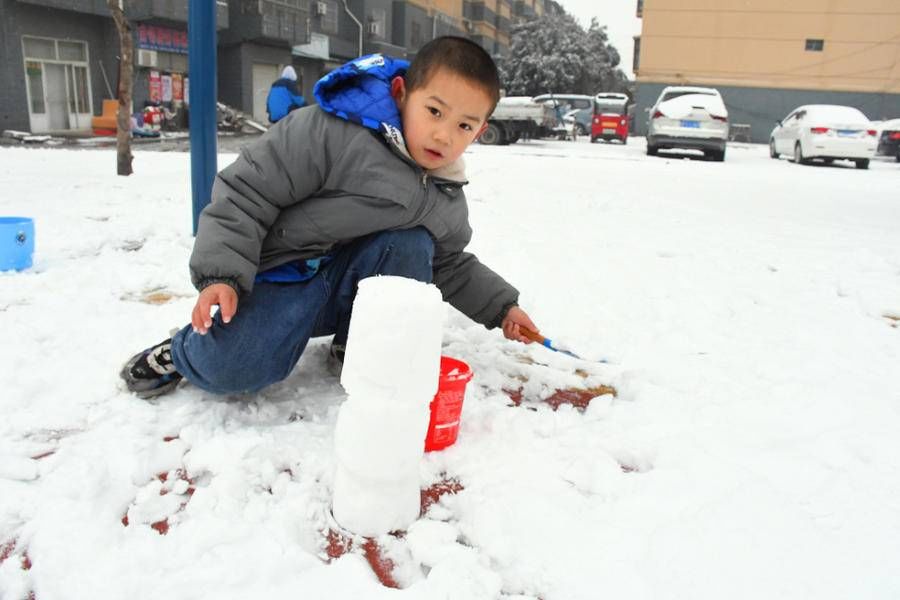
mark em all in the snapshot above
pixel 762 43
pixel 451 8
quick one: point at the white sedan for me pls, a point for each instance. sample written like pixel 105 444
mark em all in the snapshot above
pixel 827 132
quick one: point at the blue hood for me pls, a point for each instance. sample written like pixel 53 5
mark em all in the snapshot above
pixel 360 91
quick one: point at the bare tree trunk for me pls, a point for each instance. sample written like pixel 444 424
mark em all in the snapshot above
pixel 126 84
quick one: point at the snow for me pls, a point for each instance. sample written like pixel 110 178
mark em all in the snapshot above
pixel 390 373
pixel 396 329
pixel 836 114
pixel 682 106
pixel 748 311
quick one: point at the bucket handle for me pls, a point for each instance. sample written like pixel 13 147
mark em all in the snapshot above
pixel 21 237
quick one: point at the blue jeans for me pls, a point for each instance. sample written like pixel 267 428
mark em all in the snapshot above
pixel 263 342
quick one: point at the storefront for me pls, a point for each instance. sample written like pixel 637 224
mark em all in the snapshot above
pixel 161 61
pixel 57 84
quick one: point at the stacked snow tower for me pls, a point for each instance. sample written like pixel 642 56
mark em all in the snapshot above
pixel 390 373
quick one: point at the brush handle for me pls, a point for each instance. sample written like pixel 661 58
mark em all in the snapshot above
pixel 534 336
pixel 546 342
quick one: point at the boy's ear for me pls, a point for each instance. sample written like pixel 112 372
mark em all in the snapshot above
pixel 398 89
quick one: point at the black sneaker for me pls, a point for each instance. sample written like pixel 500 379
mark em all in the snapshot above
pixel 151 373
pixel 336 359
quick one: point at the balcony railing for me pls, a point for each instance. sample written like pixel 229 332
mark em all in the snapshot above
pixel 94 7
pixel 284 25
pixel 175 11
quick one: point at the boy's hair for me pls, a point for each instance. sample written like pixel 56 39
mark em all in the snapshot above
pixel 460 56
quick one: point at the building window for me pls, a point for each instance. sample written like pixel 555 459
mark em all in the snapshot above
pixel 74 51
pixel 78 97
pixel 636 62
pixel 416 39
pixel 329 21
pixel 640 8
pixel 375 24
pixel 35 86
pixel 815 45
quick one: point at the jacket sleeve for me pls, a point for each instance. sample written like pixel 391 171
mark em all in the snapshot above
pixel 280 169
pixel 467 284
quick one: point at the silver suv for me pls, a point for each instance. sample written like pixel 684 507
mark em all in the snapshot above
pixel 688 117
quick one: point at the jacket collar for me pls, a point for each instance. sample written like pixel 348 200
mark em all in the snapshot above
pixel 454 172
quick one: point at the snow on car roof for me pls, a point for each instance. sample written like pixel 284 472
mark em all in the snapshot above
pixel 516 100
pixel 834 112
pixel 682 105
pixel 689 88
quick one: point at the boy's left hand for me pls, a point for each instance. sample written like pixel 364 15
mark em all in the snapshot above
pixel 513 321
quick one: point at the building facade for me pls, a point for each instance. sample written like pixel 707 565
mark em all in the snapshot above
pixel 767 57
pixel 59 57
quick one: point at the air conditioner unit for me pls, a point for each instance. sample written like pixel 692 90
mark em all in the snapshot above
pixel 321 8
pixel 373 28
pixel 147 58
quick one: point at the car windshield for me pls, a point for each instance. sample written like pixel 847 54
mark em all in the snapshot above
pixel 679 93
pixel 611 106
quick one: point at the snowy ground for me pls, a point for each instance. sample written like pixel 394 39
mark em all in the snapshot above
pixel 749 311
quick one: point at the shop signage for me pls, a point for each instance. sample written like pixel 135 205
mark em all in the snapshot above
pixel 155 37
pixel 155 90
pixel 166 88
pixel 177 87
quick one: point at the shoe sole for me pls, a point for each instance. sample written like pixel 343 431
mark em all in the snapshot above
pixel 145 394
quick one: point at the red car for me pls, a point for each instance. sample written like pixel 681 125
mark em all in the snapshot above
pixel 610 120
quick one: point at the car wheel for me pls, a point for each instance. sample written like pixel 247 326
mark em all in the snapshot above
pixel 719 156
pixel 580 129
pixel 593 140
pixel 798 155
pixel 625 141
pixel 492 136
pixel 898 156
pixel 652 150
pixel 772 152
pixel 862 163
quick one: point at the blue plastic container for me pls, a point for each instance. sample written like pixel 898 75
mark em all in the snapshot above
pixel 16 243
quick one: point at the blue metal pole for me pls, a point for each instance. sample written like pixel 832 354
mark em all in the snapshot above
pixel 202 73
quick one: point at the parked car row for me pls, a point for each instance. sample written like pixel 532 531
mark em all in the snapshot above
pixel 695 118
pixel 604 116
pixel 688 117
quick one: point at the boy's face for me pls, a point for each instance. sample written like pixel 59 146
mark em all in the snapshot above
pixel 441 118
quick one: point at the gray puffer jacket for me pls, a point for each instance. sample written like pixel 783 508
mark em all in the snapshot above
pixel 314 182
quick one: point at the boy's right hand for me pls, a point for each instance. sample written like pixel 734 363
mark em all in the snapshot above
pixel 220 294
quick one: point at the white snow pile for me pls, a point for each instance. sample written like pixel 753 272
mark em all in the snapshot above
pixel 390 372
pixel 749 311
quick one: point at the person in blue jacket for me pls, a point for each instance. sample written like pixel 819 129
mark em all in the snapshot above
pixel 284 96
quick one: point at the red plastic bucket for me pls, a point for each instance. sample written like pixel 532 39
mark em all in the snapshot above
pixel 446 408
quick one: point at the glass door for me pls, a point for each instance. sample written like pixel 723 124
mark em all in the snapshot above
pixel 56 96
pixel 58 84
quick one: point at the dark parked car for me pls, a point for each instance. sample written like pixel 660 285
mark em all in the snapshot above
pixel 889 140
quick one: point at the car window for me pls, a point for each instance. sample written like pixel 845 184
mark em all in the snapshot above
pixel 677 93
pixel 582 104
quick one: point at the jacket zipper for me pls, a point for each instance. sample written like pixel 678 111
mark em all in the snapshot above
pixel 424 180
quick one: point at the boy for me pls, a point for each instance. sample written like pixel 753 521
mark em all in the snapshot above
pixel 367 183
